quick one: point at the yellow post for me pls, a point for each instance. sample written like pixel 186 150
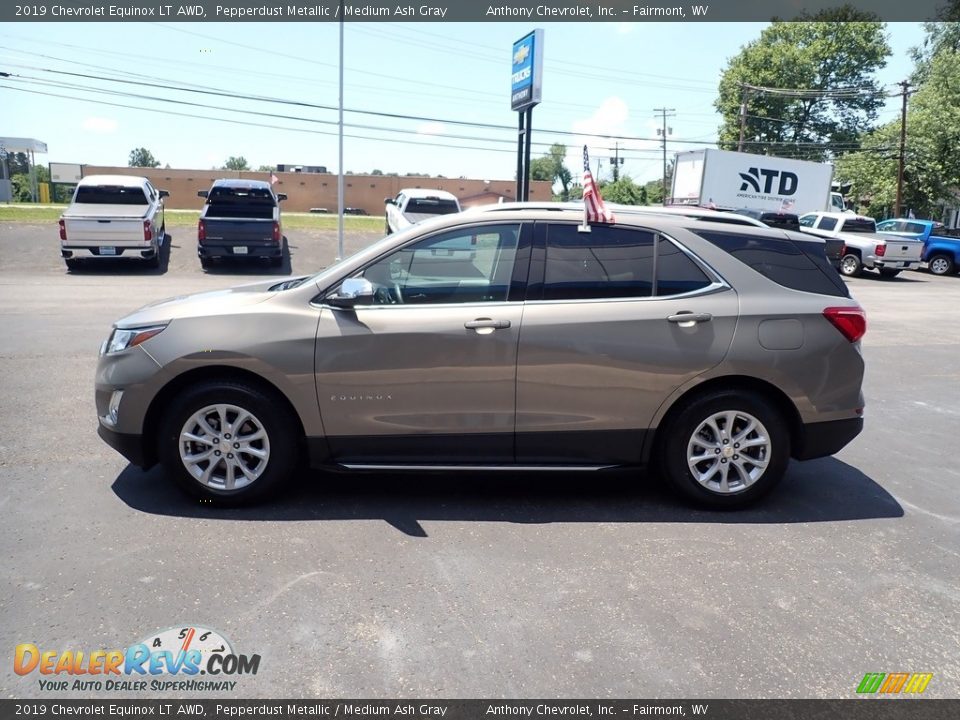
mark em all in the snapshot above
pixel 44 192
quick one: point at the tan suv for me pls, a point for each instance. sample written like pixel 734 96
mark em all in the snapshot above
pixel 502 341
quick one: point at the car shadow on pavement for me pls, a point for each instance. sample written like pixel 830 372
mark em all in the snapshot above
pixel 825 490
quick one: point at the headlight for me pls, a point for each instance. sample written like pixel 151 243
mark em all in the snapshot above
pixel 123 339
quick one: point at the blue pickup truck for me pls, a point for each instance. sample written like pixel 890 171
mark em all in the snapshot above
pixel 941 253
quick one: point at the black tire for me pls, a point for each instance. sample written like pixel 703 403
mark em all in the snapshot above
pixel 205 262
pixel 387 229
pixel 680 430
pixel 889 272
pixel 153 262
pixel 267 412
pixel 276 261
pixel 941 264
pixel 72 263
pixel 850 265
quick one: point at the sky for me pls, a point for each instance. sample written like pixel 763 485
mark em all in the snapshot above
pixel 599 78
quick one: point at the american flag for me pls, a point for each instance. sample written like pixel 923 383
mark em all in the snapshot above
pixel 274 179
pixel 593 208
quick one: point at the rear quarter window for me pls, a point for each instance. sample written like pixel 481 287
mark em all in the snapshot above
pixel 795 264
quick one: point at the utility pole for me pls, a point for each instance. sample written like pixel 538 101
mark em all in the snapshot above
pixel 664 114
pixel 905 85
pixel 617 161
pixel 744 93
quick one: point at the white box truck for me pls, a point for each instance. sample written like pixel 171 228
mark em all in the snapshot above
pixel 732 180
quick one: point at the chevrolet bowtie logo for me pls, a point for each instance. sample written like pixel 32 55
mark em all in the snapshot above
pixel 520 55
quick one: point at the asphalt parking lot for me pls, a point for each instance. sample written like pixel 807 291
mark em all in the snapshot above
pixel 471 586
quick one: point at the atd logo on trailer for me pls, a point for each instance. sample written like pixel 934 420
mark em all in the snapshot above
pixel 894 683
pixel 787 184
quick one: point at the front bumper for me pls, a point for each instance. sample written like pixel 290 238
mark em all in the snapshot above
pixel 130 446
pixel 826 438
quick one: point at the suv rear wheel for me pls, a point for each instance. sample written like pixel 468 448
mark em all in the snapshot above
pixel 227 442
pixel 726 449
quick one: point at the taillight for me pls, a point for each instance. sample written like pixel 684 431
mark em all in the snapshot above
pixel 147 231
pixel 63 230
pixel 201 231
pixel 881 250
pixel 276 232
pixel 843 251
pixel 850 321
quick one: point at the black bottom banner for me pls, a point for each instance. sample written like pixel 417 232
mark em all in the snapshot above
pixel 854 709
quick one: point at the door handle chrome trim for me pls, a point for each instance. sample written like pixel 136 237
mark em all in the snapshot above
pixel 486 323
pixel 689 319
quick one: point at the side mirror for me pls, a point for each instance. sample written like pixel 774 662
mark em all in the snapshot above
pixel 389 201
pixel 163 193
pixel 281 196
pixel 352 292
pixel 201 193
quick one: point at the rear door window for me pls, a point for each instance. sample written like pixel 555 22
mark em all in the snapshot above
pixel 607 262
pixel 677 273
pixel 827 223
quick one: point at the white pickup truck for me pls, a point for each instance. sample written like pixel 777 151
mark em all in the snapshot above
pixel 412 205
pixel 863 247
pixel 113 216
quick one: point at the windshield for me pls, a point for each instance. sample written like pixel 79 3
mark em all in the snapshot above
pixel 110 195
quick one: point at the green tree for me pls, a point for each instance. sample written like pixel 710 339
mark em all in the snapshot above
pixel 141 157
pixel 831 60
pixel 939 37
pixel 932 163
pixel 551 167
pixel 376 172
pixel 623 191
pixel 236 163
pixel 266 168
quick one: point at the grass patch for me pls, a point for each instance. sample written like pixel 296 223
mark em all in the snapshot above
pixel 186 218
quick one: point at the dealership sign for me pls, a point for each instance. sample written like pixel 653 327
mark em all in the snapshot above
pixel 527 71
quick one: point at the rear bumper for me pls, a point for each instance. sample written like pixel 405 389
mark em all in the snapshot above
pixel 896 264
pixel 229 250
pixel 826 438
pixel 130 446
pixel 82 252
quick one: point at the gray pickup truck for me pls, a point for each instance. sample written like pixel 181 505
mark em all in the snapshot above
pixel 240 219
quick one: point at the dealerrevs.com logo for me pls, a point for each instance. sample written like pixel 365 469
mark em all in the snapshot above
pixel 170 660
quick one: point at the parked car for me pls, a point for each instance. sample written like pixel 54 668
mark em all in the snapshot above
pixel 240 219
pixel 941 253
pixel 113 216
pixel 507 340
pixel 413 205
pixel 863 247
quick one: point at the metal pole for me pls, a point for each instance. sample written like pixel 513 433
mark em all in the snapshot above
pixel 903 144
pixel 743 115
pixel 520 149
pixel 664 113
pixel 33 177
pixel 340 143
pixel 527 138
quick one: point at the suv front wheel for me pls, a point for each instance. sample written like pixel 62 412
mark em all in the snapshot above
pixel 726 449
pixel 227 442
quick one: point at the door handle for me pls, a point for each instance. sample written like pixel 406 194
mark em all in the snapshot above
pixel 481 323
pixel 689 319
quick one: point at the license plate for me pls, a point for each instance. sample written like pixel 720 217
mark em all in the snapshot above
pixel 239 250
pixel 106 250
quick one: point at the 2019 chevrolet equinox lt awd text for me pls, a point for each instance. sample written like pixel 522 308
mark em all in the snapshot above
pixel 504 339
